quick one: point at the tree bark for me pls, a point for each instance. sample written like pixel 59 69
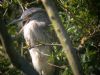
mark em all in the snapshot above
pixel 15 57
pixel 63 37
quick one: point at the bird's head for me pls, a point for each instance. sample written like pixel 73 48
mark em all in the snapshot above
pixel 27 14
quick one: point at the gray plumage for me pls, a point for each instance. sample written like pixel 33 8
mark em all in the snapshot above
pixel 36 24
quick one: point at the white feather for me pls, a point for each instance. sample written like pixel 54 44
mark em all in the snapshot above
pixel 39 57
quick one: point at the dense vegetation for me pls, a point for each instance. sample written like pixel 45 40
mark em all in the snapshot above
pixel 81 19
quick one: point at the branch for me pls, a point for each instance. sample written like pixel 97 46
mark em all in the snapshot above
pixel 46 44
pixel 20 5
pixel 61 67
pixel 63 37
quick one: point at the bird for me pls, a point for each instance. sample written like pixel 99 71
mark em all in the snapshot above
pixel 36 23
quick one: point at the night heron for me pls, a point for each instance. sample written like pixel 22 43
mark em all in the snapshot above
pixel 35 30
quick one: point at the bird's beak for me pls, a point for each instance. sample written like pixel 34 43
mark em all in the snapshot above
pixel 15 21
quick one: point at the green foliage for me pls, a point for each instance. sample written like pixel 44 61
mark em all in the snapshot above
pixel 6 68
pixel 79 20
pixel 80 23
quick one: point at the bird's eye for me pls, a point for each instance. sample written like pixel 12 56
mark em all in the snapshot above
pixel 26 20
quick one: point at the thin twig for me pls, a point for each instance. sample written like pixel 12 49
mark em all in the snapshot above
pixel 28 4
pixel 5 12
pixel 20 31
pixel 45 44
pixel 61 67
pixel 21 5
